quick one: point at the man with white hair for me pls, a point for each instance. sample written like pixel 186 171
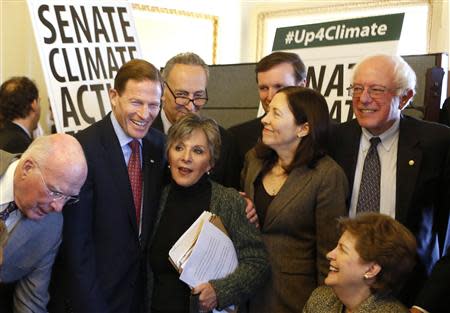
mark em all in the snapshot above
pixel 33 190
pixel 396 165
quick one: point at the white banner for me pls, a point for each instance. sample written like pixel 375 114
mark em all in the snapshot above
pixel 82 44
pixel 331 49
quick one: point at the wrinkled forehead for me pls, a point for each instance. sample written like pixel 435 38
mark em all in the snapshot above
pixel 374 72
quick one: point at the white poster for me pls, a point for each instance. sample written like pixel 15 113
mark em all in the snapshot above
pixel 82 44
pixel 330 50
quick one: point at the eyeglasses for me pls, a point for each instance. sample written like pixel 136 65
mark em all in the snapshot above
pixel 182 100
pixel 56 195
pixel 375 91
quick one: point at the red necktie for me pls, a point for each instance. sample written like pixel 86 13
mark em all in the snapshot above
pixel 135 174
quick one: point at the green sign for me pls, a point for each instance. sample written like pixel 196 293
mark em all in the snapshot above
pixel 344 32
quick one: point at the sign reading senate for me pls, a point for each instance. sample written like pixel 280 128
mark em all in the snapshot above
pixel 82 45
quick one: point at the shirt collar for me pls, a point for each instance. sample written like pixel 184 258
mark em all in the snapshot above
pixel 387 138
pixel 124 139
pixel 166 123
pixel 7 184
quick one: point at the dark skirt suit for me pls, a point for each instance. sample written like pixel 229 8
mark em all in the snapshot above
pixel 299 229
pixel 179 209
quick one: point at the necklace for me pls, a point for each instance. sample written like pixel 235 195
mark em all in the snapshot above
pixel 274 181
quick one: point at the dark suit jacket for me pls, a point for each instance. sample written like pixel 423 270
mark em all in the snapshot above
pixel 435 296
pixel 101 247
pixel 226 171
pixel 299 230
pixel 13 138
pixel 246 136
pixel 444 115
pixel 28 258
pixel 423 177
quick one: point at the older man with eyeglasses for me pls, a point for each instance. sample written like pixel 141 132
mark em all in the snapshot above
pixel 33 190
pixel 186 78
pixel 396 165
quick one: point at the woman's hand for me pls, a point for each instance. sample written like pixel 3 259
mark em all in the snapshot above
pixel 250 210
pixel 207 297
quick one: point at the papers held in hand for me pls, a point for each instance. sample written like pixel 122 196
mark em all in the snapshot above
pixel 204 252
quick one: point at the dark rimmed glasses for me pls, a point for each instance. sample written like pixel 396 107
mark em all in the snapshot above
pixel 184 101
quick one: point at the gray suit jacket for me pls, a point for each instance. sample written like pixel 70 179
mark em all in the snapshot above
pixel 323 299
pixel 28 256
pixel 299 230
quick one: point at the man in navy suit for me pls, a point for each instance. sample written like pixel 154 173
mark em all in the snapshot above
pixel 273 72
pixel 33 191
pixel 414 157
pixel 102 261
pixel 19 113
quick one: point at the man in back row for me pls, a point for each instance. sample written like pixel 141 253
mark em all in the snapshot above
pixel 273 72
pixel 19 113
pixel 395 164
pixel 186 78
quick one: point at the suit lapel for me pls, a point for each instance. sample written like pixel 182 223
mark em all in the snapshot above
pixel 296 182
pixel 5 160
pixel 350 150
pixel 409 157
pixel 113 156
pixel 152 165
pixel 157 123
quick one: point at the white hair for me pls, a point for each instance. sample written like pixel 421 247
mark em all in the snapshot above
pixel 404 76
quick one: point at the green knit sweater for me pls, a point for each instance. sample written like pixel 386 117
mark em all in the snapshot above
pixel 253 268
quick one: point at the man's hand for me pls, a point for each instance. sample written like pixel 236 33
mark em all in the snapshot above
pixel 250 210
pixel 207 298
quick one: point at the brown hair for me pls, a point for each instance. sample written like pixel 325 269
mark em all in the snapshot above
pixel 16 96
pixel 138 70
pixel 381 239
pixel 190 122
pixel 307 105
pixel 279 57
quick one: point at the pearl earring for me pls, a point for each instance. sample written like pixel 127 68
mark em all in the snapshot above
pixel 366 276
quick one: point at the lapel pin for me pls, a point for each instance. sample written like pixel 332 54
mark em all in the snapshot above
pixel 153 161
pixel 411 162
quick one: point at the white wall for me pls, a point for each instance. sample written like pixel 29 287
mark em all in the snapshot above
pixel 439 39
pixel 237 31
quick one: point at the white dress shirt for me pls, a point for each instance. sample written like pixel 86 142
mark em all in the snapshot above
pixel 387 152
pixel 7 195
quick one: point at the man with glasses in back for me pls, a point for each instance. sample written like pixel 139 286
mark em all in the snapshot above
pixel 186 77
pixel 396 165
pixel 33 190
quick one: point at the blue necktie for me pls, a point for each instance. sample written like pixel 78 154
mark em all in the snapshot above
pixel 9 209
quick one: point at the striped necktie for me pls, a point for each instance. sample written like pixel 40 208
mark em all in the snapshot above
pixel 9 209
pixel 369 190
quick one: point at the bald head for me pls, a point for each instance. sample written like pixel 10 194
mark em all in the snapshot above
pixel 61 154
pixel 52 165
